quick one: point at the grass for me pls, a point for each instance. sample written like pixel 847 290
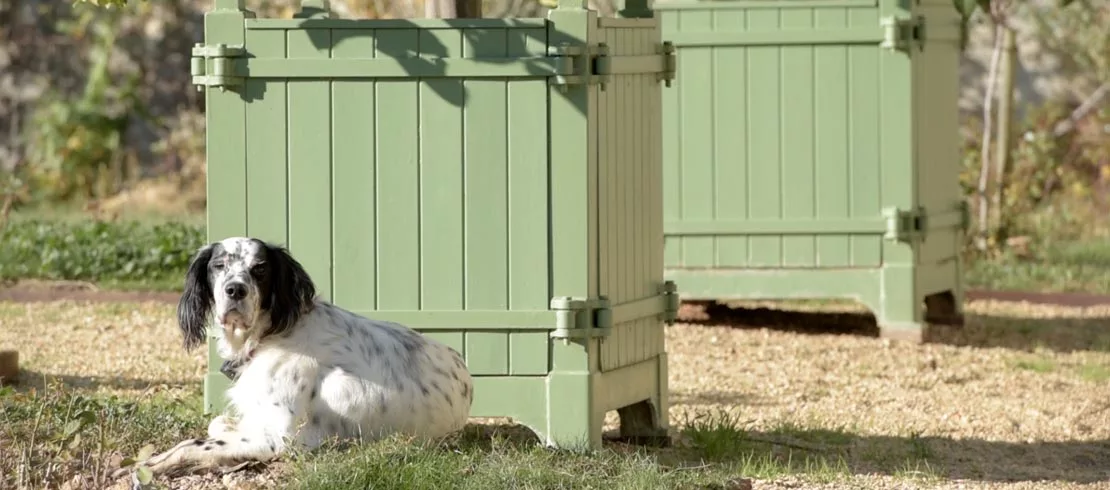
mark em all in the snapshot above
pixel 60 435
pixel 1094 373
pixel 774 406
pixel 1037 365
pixel 1068 264
pixel 57 434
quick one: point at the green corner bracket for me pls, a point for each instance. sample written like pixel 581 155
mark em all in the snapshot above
pixel 670 291
pixel 903 225
pixel 580 318
pixel 899 32
pixel 213 65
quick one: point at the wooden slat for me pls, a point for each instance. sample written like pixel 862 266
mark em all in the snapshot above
pixel 310 164
pixel 486 182
pixel 798 154
pixel 267 183
pixel 398 144
pixel 441 180
pixel 354 233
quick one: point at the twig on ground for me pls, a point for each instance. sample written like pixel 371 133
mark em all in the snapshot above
pixel 792 445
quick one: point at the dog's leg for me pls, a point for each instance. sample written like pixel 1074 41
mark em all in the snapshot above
pixel 228 444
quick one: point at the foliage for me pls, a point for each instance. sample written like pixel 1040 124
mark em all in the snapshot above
pixel 97 250
pixel 1052 177
pixel 75 141
pixel 1081 35
pixel 56 436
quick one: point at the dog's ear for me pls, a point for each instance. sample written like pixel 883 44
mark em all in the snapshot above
pixel 291 290
pixel 196 302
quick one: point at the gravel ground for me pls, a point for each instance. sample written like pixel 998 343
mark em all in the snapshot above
pixel 1019 398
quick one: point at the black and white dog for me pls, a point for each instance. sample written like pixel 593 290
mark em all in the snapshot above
pixel 305 370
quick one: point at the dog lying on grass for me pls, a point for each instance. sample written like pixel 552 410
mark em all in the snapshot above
pixel 305 370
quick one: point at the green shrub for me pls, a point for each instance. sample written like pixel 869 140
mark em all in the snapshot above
pixel 97 251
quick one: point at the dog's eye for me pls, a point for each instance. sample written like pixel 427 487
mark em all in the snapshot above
pixel 258 270
pixel 218 266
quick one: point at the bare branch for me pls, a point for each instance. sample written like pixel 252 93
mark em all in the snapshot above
pixel 1092 101
pixel 988 124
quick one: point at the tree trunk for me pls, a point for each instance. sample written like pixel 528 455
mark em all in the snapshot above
pixel 452 9
pixel 1002 152
pixel 984 152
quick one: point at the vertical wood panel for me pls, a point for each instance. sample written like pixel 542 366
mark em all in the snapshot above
pixel 487 353
pixel 528 353
pixel 730 138
pixel 671 137
pixel 798 186
pixel 765 155
pixel 441 179
pixel 528 193
pixel 606 151
pixel 486 181
pixel 696 147
pixel 353 233
pixel 832 129
pixel 310 162
pixel 642 164
pixel 398 181
pixel 267 169
pixel 628 164
pixel 657 205
pixel 865 187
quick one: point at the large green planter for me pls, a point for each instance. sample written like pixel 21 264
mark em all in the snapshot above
pixel 811 151
pixel 494 183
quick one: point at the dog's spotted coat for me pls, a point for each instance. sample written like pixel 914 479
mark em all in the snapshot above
pixel 304 370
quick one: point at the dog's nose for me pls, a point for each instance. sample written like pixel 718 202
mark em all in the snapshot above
pixel 236 291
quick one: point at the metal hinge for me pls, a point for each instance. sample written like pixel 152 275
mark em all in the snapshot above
pixel 899 32
pixel 577 60
pixel 671 292
pixel 903 225
pixel 579 318
pixel 671 64
pixel 593 64
pixel 662 64
pixel 213 65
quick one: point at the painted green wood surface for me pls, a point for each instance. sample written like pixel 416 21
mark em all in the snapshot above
pixel 226 147
pixel 459 205
pixel 763 134
pixel 790 131
pixel 628 193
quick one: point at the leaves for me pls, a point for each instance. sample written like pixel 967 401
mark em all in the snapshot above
pixel 144 475
pixel 97 251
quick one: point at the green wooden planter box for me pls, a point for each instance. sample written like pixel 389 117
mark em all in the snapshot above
pixel 810 151
pixel 493 183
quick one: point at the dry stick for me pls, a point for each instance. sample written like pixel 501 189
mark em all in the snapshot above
pixel 792 445
pixel 1066 125
pixel 984 152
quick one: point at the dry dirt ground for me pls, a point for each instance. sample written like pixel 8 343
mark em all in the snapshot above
pixel 1019 398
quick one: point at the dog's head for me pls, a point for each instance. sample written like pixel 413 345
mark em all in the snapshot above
pixel 254 289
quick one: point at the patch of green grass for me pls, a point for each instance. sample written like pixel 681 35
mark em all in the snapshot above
pixel 474 460
pixel 786 450
pixel 1055 266
pixel 1036 364
pixel 1095 373
pixel 919 470
pixel 75 213
pixel 130 253
pixel 55 434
